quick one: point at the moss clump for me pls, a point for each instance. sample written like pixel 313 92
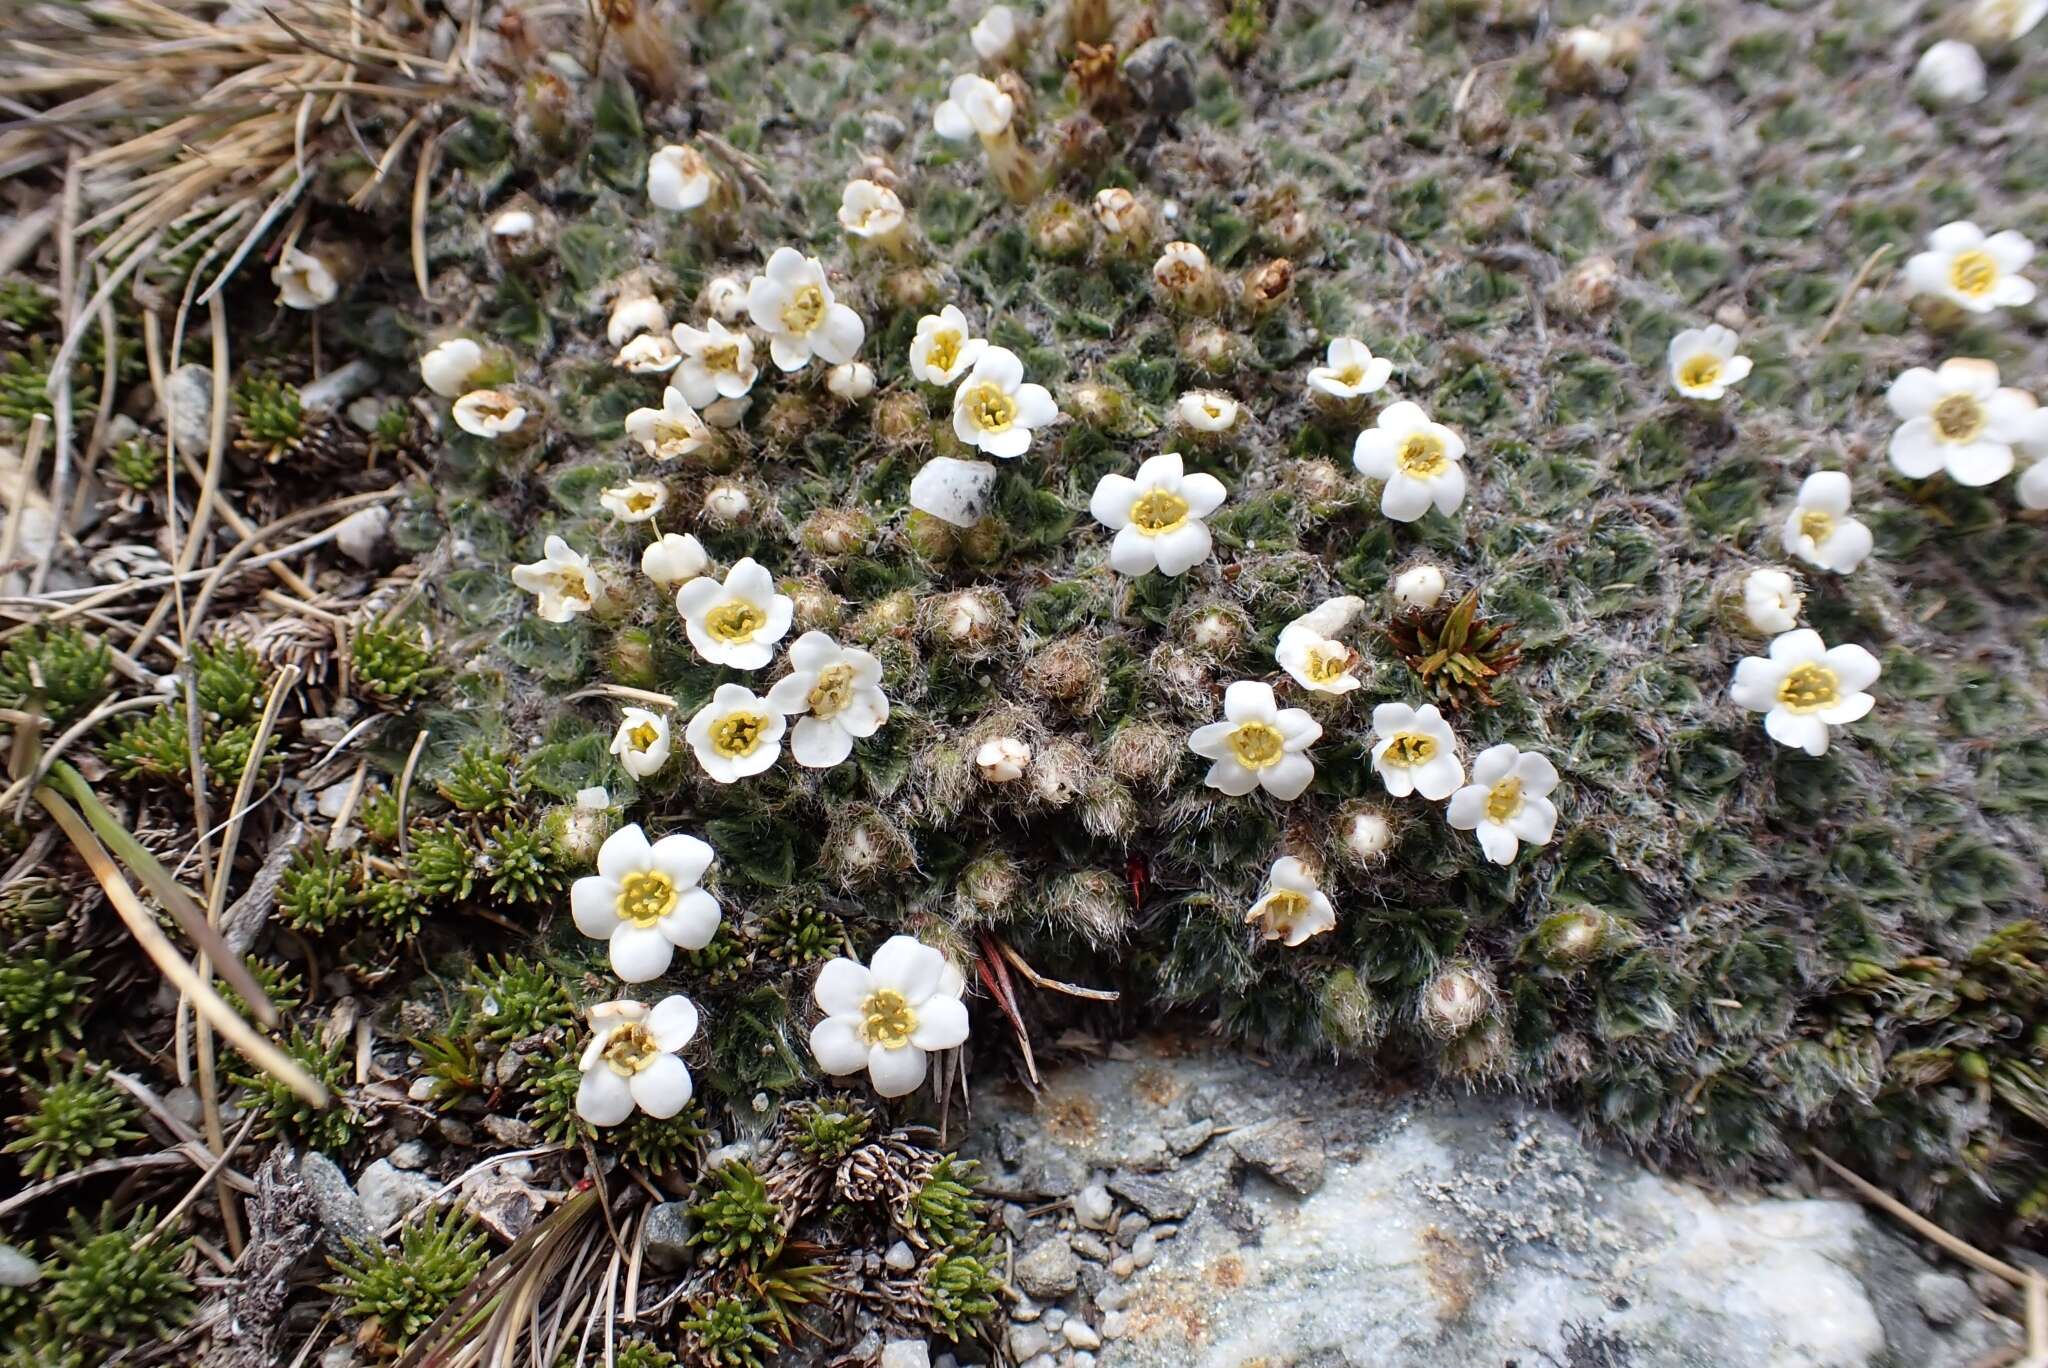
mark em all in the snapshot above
pixel 728 1333
pixel 107 1284
pixel 76 1118
pixel 392 662
pixel 518 998
pixel 329 1129
pixel 139 464
pixel 268 415
pixel 481 781
pixel 735 1220
pixel 945 1209
pixel 43 999
pixel 401 1292
pixel 962 1290
pixel 317 889
pixel 523 867
pixel 1456 653
pixel 62 667
pixel 441 863
pixel 24 384
pixel 827 1130
pixel 152 746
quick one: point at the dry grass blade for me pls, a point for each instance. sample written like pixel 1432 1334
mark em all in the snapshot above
pixel 169 962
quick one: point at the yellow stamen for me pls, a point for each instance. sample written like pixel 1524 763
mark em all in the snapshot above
pixel 1504 799
pixel 945 350
pixel 1816 526
pixel 1973 273
pixel 1422 455
pixel 1409 748
pixel 646 896
pixel 734 620
pixel 887 1019
pixel 1699 370
pixel 722 358
pixel 1280 910
pixel 631 1049
pixel 1810 687
pixel 833 691
pixel 805 310
pixel 1257 744
pixel 1157 511
pixel 990 409
pixel 1328 666
pixel 1958 418
pixel 643 735
pixel 738 733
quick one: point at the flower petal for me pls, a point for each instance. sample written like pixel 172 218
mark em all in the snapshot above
pixel 819 744
pixel 1288 777
pixel 663 1088
pixel 594 906
pixel 692 922
pixel 673 1022
pixel 909 966
pixel 682 857
pixel 896 1073
pixel 1111 502
pixel 837 1046
pixel 941 1023
pixel 640 953
pixel 602 1098
pixel 624 852
pixel 842 986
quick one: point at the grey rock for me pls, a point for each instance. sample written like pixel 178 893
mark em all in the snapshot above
pixel 1015 1221
pixel 1081 1360
pixel 1048 1269
pixel 332 391
pixel 1122 1266
pixel 340 1356
pixel 364 535
pixel 504 1202
pixel 1943 1297
pixel 1088 1246
pixel 668 1232
pixel 18 1269
pixel 1148 1153
pixel 1286 1151
pixel 1028 1340
pixel 342 1214
pixel 1145 1250
pixel 1191 1137
pixel 900 1257
pixel 511 1132
pixel 389 1192
pixel 884 129
pixel 1157 1198
pixel 1131 1227
pixel 1113 1297
pixel 1055 1317
pixel 188 409
pixel 1114 1323
pixel 906 1354
pixel 1094 1207
pixel 413 1154
pixel 1162 75
pixel 1081 1334
pixel 1039 1361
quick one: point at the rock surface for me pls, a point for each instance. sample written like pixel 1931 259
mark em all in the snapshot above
pixel 1327 1224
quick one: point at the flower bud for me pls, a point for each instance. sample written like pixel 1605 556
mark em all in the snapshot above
pixel 727 504
pixel 1002 759
pixel 1589 287
pixel 836 531
pixel 1366 833
pixel 1184 279
pixel 851 382
pixel 1950 73
pixel 900 420
pixel 991 885
pixel 1572 937
pixel 1267 287
pixel 1100 406
pixel 1060 230
pixel 1459 997
pixel 1220 631
pixel 1128 226
pixel 635 311
pixel 674 558
pixel 1419 587
pixel 725 298
pixel 817 608
pixel 1210 349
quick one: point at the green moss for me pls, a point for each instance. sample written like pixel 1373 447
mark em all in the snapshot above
pixel 392 662
pixel 76 1118
pixel 106 1284
pixel 61 669
pixel 44 995
pixel 729 1333
pixel 402 1291
pixel 329 1129
pixel 735 1220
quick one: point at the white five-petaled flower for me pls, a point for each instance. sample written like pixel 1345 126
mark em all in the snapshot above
pixel 1208 411
pixel 1965 267
pixel 1770 600
pixel 1349 370
pixel 648 354
pixel 1309 652
pixel 943 350
pixel 562 579
pixel 489 413
pixel 635 500
pixel 1507 802
pixel 1158 517
pixel 870 210
pixel 303 280
pixel 793 304
pixel 738 622
pixel 887 1015
pixel 672 431
pixel 736 734
pixel 994 34
pixel 448 366
pixel 1415 751
pixel 1418 459
pixel 679 179
pixel 676 557
pixel 1819 529
pixel 642 742
pixel 632 1060
pixel 1957 419
pixel 1704 362
pixel 1258 744
pixel 835 693
pixel 1292 908
pixel 995 410
pixel 645 901
pixel 974 107
pixel 716 363
pixel 1803 687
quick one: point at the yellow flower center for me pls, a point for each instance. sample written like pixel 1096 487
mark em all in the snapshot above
pixel 1958 418
pixel 724 357
pixel 734 620
pixel 1326 665
pixel 805 310
pixel 639 501
pixel 1973 273
pixel 945 350
pixel 1257 744
pixel 643 735
pixel 1816 526
pixel 1158 510
pixel 1809 688
pixel 1422 455
pixel 1699 370
pixel 738 733
pixel 1409 748
pixel 833 691
pixel 1280 910
pixel 1351 374
pixel 631 1049
pixel 989 409
pixel 570 584
pixel 1504 799
pixel 886 1019
pixel 646 896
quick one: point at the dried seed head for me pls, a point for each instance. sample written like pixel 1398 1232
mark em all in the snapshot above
pixel 1144 752
pixel 1589 287
pixel 836 531
pixel 1267 287
pixel 1459 997
pixel 1061 230
pixel 1365 833
pixel 1068 672
pixel 1210 349
pixel 900 420
pixel 817 607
